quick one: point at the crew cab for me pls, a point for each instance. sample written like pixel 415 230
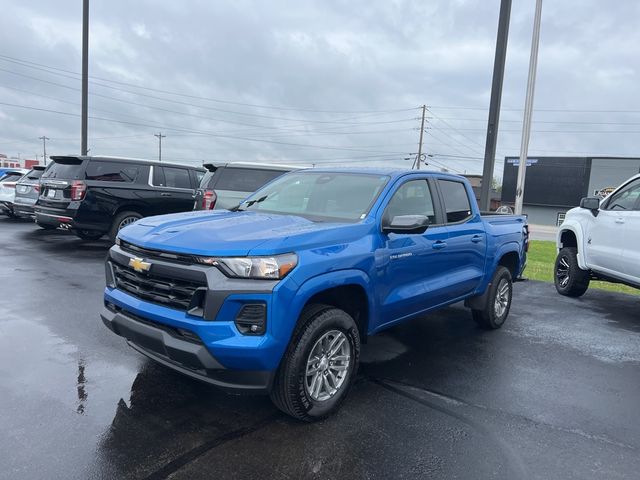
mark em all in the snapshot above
pixel 277 294
pixel 600 240
pixel 94 196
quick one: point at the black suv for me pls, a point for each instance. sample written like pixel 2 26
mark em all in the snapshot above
pixel 94 196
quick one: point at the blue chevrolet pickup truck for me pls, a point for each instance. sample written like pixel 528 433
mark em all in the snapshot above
pixel 276 295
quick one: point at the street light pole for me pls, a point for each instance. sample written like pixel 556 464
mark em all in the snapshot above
pixel 85 75
pixel 160 136
pixel 528 109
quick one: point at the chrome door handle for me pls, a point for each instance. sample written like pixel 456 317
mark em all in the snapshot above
pixel 439 245
pixel 165 194
pixel 476 239
pixel 619 220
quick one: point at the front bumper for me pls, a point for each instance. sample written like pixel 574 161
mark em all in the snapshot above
pixel 186 354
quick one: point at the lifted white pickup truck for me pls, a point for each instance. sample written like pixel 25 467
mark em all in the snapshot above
pixel 600 241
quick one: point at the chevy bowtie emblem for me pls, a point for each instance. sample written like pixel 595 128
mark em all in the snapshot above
pixel 139 265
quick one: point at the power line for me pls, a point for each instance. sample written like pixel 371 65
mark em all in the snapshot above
pixel 30 64
pixel 210 134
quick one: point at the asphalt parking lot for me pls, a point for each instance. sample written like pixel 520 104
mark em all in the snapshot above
pixel 554 394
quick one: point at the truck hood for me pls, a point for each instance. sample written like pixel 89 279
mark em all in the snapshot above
pixel 224 233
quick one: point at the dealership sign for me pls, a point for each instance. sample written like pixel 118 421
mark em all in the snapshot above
pixel 516 161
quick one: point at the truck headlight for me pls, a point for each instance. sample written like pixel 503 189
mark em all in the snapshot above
pixel 270 268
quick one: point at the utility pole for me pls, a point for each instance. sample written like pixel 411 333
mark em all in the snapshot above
pixel 419 157
pixel 160 137
pixel 85 75
pixel 528 109
pixel 44 139
pixel 494 105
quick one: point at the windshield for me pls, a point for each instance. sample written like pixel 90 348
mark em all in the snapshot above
pixel 319 196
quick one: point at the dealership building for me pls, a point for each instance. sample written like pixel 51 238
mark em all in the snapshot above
pixel 554 185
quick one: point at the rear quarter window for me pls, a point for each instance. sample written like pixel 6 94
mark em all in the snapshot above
pixel 112 172
pixel 244 179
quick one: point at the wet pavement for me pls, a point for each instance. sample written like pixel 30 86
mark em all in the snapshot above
pixel 554 394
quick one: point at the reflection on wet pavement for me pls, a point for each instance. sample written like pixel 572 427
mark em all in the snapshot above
pixel 553 394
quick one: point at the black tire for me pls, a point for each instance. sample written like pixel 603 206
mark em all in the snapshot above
pixel 88 235
pixel 122 220
pixel 290 391
pixel 500 293
pixel 570 280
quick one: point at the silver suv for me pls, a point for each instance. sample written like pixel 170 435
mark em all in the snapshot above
pixel 225 186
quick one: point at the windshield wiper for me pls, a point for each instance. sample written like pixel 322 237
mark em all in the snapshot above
pixel 239 207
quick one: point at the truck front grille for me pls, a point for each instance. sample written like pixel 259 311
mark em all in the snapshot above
pixel 169 292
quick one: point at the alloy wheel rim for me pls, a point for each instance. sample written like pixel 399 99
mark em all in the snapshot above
pixel 327 365
pixel 562 272
pixel 127 221
pixel 502 298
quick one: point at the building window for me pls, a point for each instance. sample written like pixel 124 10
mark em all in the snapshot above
pixel 560 218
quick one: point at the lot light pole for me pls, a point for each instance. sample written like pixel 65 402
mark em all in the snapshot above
pixel 528 109
pixel 494 104
pixel 85 75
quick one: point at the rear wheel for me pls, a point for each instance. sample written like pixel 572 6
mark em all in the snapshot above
pixel 319 365
pixel 122 220
pixel 498 304
pixel 569 278
pixel 88 235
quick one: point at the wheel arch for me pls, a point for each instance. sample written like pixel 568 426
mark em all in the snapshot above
pixel 570 235
pixel 343 289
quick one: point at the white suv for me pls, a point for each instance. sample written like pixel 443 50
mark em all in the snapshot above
pixel 600 241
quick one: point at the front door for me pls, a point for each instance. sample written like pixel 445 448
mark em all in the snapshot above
pixel 411 267
pixel 607 238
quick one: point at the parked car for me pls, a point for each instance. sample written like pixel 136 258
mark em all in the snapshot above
pixel 600 240
pixel 8 189
pixel 277 294
pixel 94 196
pixel 226 185
pixel 27 191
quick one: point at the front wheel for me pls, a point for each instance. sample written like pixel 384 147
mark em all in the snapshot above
pixel 496 309
pixel 319 365
pixel 569 278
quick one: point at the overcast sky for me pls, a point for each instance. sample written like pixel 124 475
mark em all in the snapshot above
pixel 324 82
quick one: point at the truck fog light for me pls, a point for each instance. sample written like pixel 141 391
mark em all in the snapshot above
pixel 252 319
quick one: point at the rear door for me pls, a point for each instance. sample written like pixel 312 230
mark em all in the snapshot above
pixel 55 183
pixel 465 251
pixel 174 189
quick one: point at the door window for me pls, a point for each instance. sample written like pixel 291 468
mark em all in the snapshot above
pixel 456 201
pixel 171 177
pixel 412 198
pixel 626 199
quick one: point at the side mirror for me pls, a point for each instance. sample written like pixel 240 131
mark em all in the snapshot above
pixel 591 203
pixel 406 224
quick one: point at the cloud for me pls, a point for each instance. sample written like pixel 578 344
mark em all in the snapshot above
pixel 322 64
